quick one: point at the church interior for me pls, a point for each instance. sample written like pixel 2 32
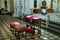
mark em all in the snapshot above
pixel 29 19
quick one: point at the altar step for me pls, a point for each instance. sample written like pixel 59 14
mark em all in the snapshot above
pixel 52 26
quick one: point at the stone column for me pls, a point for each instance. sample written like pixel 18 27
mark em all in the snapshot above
pixel 59 5
pixel 27 7
pixel 14 14
pixel 24 7
pixel 17 8
pixel 11 6
pixel 20 7
pixel 8 5
pixel 2 4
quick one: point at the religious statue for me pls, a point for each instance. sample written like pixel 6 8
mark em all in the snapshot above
pixel 43 8
pixel 44 4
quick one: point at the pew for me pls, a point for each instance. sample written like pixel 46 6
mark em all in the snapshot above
pixel 13 24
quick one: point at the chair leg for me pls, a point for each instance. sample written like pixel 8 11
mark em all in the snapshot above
pixel 15 33
pixel 10 29
pixel 13 30
pixel 18 36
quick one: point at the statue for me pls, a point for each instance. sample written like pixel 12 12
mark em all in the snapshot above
pixel 43 7
pixel 44 4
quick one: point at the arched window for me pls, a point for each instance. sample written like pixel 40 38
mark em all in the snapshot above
pixel 35 3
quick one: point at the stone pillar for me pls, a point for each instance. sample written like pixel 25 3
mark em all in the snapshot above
pixel 14 14
pixel 8 5
pixel 24 6
pixel 27 8
pixel 17 9
pixel 11 6
pixel 59 5
pixel 2 4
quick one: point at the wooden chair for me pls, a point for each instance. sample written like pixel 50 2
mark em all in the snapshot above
pixel 21 28
pixel 13 24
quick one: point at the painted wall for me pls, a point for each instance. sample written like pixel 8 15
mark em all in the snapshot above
pixel 2 4
pixel 8 5
pixel 55 5
pixel 27 6
pixel 39 3
pixel 31 3
pixel 22 7
pixel 48 3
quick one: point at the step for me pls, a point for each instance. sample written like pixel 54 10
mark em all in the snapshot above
pixel 53 25
pixel 51 28
pixel 52 22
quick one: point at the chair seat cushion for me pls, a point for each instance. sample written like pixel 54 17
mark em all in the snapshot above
pixel 13 24
pixel 28 17
pixel 35 19
pixel 29 30
pixel 20 28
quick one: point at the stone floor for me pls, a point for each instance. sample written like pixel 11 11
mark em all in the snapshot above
pixel 6 34
pixel 45 35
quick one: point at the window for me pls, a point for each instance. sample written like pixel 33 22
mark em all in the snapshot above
pixel 35 3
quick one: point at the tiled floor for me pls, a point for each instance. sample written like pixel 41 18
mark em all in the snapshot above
pixel 6 34
pixel 45 35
